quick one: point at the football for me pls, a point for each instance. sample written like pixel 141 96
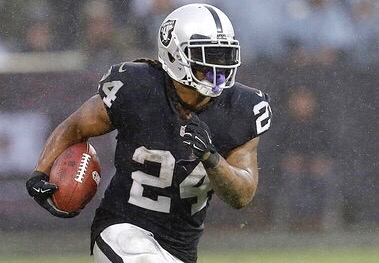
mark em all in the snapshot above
pixel 76 172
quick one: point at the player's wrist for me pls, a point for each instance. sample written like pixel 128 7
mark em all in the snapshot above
pixel 210 160
pixel 40 175
pixel 35 177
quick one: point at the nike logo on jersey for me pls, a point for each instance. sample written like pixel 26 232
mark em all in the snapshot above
pixel 122 69
pixel 40 190
pixel 259 93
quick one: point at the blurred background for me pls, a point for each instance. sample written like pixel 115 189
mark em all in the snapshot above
pixel 317 59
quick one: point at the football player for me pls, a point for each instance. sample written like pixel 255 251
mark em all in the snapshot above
pixel 186 130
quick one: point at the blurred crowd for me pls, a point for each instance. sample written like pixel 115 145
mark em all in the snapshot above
pixel 308 31
pixel 278 35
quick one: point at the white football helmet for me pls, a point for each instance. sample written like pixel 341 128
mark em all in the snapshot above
pixel 201 37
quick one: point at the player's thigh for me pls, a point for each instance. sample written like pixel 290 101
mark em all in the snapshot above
pixel 126 243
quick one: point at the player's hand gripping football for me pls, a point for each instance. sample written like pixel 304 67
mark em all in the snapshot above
pixel 197 135
pixel 41 190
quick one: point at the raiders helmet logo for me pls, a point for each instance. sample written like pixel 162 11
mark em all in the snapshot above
pixel 166 32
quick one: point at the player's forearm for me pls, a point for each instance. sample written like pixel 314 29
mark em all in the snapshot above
pixel 65 135
pixel 235 186
pixel 90 120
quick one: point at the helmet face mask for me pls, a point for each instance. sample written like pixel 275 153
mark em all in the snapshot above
pixel 209 54
pixel 199 37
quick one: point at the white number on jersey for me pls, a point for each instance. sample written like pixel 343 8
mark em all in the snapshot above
pixel 110 89
pixel 195 185
pixel 263 122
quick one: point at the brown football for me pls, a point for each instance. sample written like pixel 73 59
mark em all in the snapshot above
pixel 76 171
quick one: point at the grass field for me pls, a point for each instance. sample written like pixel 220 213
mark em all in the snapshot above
pixel 295 256
pixel 215 247
pixel 362 255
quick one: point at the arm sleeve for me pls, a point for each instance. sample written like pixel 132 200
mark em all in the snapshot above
pixel 111 89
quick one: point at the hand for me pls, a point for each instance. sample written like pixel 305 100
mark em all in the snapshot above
pixel 38 186
pixel 197 135
pixel 41 190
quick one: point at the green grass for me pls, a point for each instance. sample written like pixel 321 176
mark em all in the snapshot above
pixel 365 255
pixel 294 256
pixel 50 259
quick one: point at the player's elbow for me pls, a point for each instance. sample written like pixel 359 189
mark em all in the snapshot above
pixel 242 199
pixel 245 195
pixel 242 202
pixel 239 206
pixel 238 199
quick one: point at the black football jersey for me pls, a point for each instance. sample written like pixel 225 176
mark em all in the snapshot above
pixel 152 188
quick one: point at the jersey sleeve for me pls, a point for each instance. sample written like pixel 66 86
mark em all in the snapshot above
pixel 112 91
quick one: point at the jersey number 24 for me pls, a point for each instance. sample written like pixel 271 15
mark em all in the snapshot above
pixel 196 184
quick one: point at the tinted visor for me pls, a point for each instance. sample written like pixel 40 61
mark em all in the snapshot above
pixel 215 55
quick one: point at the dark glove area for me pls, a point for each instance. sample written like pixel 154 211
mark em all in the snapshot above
pixel 41 190
pixel 38 186
pixel 197 135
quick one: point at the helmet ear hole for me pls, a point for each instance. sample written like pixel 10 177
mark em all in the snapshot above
pixel 171 58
